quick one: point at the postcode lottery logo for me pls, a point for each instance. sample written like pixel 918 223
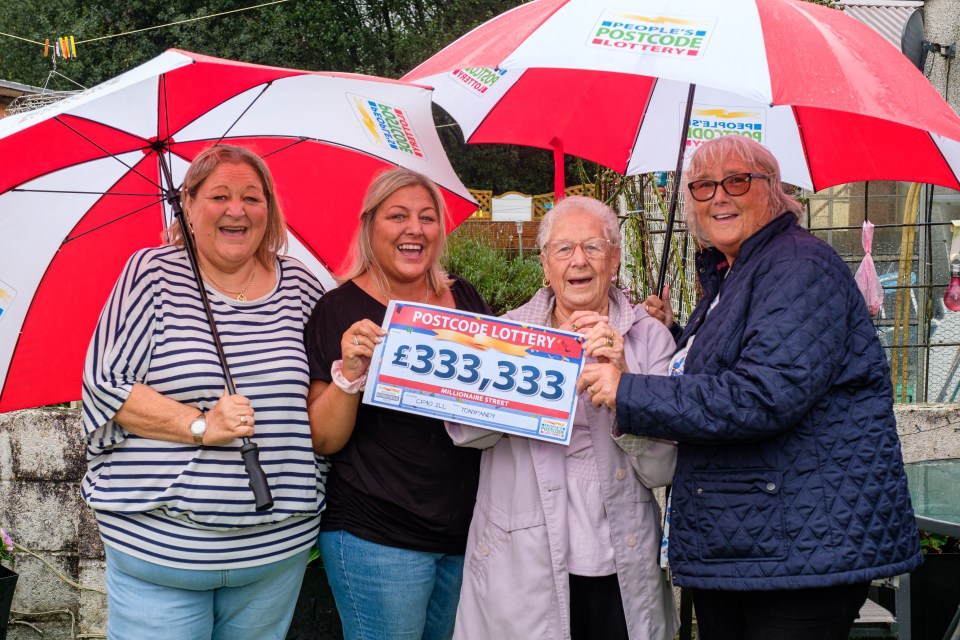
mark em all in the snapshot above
pixel 477 80
pixel 708 122
pixel 387 125
pixel 665 36
pixel 7 294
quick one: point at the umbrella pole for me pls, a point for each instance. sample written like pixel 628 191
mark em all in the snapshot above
pixel 675 193
pixel 249 450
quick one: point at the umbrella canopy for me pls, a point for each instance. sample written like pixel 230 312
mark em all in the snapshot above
pixel 83 185
pixel 610 81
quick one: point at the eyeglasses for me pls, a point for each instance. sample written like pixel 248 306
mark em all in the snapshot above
pixel 735 185
pixel 593 248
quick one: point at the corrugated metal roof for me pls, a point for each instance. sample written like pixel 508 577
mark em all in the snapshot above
pixel 886 18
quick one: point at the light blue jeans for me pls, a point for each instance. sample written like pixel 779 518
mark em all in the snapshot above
pixel 147 601
pixel 386 593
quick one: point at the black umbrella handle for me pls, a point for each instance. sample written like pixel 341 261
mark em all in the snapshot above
pixel 675 193
pixel 256 476
pixel 251 457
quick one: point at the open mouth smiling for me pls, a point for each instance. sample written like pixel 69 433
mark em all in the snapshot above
pixel 410 249
pixel 581 281
pixel 234 232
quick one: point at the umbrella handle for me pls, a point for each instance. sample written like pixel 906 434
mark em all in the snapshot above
pixel 675 193
pixel 251 457
pixel 258 479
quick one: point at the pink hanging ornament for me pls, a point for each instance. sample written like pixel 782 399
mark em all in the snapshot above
pixel 866 276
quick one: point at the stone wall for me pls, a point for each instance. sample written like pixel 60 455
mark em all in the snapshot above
pixel 42 463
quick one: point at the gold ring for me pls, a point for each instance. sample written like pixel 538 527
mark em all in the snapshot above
pixel 356 341
pixel 243 420
pixel 609 341
pixel 574 326
pixel 592 390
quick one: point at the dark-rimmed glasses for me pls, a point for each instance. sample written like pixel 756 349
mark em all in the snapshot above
pixel 735 185
pixel 593 248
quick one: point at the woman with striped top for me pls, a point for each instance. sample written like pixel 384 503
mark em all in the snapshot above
pixel 188 555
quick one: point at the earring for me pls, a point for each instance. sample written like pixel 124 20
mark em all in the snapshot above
pixel 546 283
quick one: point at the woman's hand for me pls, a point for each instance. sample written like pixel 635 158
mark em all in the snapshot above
pixel 659 308
pixel 605 344
pixel 356 347
pixel 230 418
pixel 582 321
pixel 600 380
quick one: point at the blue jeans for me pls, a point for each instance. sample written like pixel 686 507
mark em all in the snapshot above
pixel 150 602
pixel 386 593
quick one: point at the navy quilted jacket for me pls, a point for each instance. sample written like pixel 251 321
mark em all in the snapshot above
pixel 789 472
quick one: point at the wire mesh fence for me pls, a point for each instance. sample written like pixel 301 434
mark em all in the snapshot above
pixel 911 250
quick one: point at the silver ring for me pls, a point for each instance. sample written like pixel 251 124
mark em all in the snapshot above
pixel 356 341
pixel 243 420
pixel 574 326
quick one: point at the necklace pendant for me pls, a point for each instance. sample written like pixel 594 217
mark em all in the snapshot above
pixel 241 297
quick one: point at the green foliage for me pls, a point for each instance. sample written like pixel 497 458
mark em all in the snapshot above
pixel 504 282
pixel 937 543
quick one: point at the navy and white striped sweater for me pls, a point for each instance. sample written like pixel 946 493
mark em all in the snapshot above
pixel 184 506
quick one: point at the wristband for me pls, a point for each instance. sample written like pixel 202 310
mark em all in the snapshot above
pixel 336 372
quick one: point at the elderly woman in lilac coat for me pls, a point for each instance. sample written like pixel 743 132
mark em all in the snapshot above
pixel 564 541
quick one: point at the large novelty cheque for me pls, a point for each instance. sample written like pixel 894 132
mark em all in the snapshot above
pixel 478 370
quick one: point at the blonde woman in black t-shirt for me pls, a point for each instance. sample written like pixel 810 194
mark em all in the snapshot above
pixel 400 495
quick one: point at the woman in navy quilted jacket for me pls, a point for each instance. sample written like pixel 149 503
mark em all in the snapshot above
pixel 789 494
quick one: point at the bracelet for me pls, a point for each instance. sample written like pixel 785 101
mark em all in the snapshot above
pixel 336 372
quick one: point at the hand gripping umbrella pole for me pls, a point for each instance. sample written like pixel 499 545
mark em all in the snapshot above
pixel 251 456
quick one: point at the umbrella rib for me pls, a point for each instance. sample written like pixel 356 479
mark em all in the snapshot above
pixel 132 169
pixel 109 222
pixel 244 112
pixel 292 144
pixel 81 193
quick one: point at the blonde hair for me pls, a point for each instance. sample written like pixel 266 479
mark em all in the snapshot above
pixel 274 241
pixel 713 153
pixel 361 258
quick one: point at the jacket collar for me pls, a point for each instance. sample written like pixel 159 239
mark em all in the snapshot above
pixel 714 260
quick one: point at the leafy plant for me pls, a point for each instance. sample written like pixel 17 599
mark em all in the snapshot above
pixel 505 282
pixel 641 203
pixel 938 543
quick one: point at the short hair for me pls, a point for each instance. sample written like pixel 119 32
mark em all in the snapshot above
pixel 583 204
pixel 274 241
pixel 756 156
pixel 360 259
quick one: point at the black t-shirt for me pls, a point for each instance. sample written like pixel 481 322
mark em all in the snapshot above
pixel 399 481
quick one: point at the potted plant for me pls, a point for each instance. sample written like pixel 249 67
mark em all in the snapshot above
pixel 8 581
pixel 934 589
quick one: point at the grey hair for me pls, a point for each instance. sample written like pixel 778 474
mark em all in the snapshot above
pixel 713 153
pixel 584 204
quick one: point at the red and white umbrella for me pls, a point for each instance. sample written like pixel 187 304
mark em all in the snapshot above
pixel 82 186
pixel 610 80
